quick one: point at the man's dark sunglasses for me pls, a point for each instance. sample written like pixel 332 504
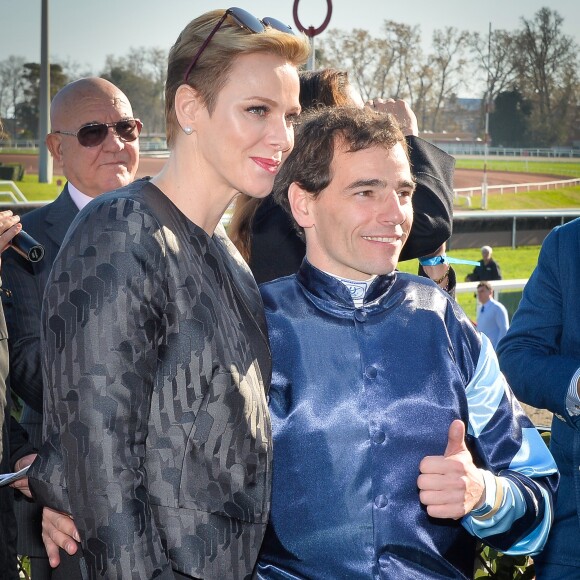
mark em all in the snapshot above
pixel 244 20
pixel 93 134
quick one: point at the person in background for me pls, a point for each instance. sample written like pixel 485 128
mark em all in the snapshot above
pixel 488 268
pixel 540 357
pixel 396 450
pixel 9 227
pixel 266 237
pixel 96 140
pixel 156 358
pixel 492 316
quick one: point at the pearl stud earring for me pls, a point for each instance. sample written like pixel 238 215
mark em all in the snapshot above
pixel 187 130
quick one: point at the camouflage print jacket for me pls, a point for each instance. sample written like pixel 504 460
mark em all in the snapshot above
pixel 156 364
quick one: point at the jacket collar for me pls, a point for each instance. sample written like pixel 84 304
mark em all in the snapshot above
pixel 328 288
pixel 60 215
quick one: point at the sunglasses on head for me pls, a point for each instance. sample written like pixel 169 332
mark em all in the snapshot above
pixel 244 20
pixel 93 134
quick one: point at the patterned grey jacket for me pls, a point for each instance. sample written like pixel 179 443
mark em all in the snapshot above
pixel 156 365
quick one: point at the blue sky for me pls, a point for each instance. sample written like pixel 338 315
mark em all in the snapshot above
pixel 85 32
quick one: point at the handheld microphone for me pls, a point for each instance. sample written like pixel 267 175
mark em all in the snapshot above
pixel 25 245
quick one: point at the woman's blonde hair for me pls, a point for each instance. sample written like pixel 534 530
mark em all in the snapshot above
pixel 211 71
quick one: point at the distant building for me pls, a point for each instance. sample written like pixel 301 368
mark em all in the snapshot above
pixel 460 123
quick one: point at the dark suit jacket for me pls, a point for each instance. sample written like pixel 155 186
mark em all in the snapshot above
pixel 539 356
pixel 277 250
pixel 156 362
pixel 8 551
pixel 27 281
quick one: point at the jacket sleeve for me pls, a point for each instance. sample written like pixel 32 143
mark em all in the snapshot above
pixel 510 447
pixel 531 354
pixel 101 321
pixel 22 311
pixel 433 170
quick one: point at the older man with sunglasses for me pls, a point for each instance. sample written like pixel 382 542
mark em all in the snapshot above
pixel 95 139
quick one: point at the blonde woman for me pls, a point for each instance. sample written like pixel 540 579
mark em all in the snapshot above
pixel 156 355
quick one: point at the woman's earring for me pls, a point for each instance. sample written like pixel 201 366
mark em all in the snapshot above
pixel 187 130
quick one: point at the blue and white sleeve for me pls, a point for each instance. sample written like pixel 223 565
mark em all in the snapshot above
pixel 520 473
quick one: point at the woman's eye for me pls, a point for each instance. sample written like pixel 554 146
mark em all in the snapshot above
pixel 292 118
pixel 260 110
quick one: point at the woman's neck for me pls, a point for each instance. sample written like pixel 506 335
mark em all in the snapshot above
pixel 193 191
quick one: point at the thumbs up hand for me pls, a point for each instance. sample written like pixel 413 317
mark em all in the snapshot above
pixel 450 485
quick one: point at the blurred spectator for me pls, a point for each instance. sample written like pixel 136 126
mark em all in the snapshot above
pixel 488 268
pixel 492 318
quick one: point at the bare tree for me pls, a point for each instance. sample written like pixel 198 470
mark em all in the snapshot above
pixel 141 76
pixel 405 43
pixel 548 73
pixel 420 80
pixel 495 65
pixel 11 89
pixel 495 60
pixel 361 55
pixel 448 65
pixel 74 70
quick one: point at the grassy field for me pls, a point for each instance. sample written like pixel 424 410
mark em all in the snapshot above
pixel 18 151
pixel 34 191
pixel 564 167
pixel 561 198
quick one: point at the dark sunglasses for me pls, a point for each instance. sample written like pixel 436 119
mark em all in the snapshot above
pixel 244 20
pixel 93 134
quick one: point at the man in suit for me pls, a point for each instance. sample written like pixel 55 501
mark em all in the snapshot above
pixel 95 138
pixel 9 227
pixel 540 356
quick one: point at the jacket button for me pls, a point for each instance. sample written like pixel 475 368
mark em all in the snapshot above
pixel 371 372
pixel 378 437
pixel 381 501
pixel 360 315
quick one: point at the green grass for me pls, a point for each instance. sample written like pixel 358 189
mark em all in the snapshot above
pixel 515 264
pixel 18 151
pixel 565 167
pixel 561 198
pixel 34 191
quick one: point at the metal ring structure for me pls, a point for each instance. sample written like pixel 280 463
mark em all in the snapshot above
pixel 311 31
